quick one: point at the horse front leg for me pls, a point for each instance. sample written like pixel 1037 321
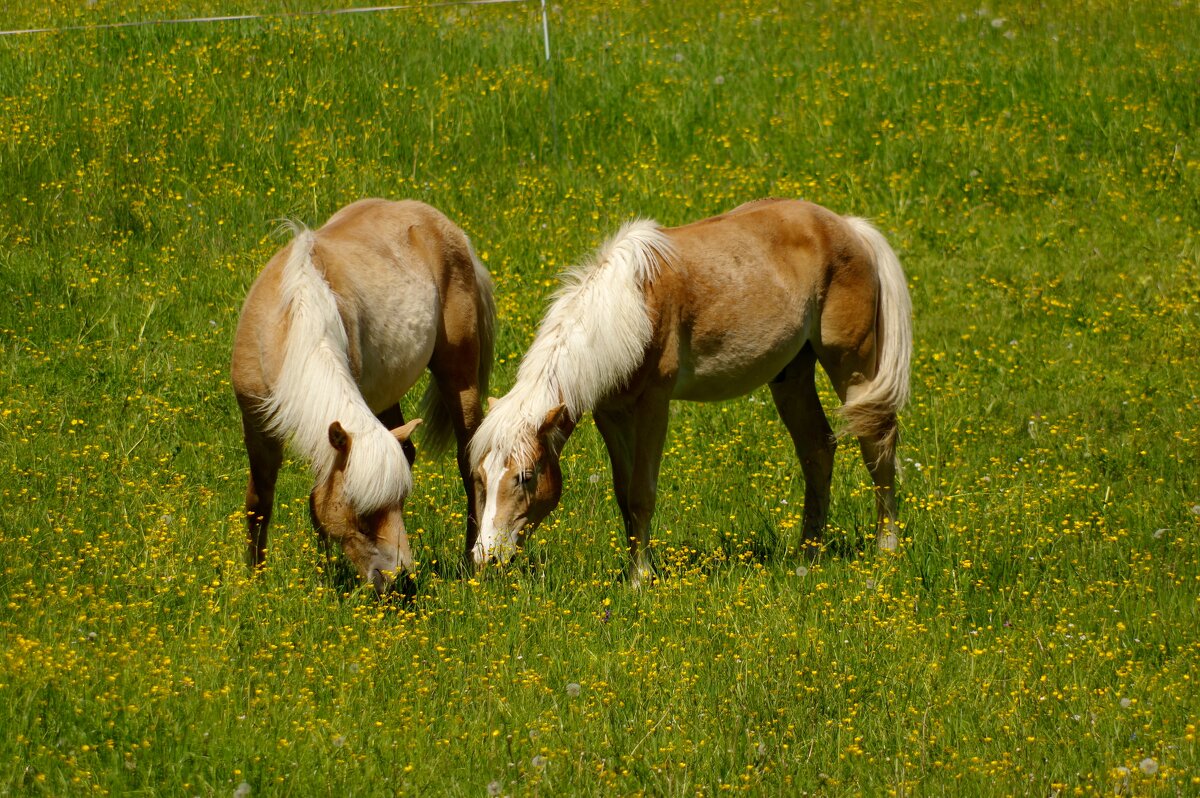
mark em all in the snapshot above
pixel 640 436
pixel 265 454
pixel 652 422
pixel 618 429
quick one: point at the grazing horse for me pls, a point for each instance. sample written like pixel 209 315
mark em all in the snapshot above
pixel 704 312
pixel 337 327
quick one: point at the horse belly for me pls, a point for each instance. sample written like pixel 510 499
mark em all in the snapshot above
pixel 734 372
pixel 396 345
pixel 719 362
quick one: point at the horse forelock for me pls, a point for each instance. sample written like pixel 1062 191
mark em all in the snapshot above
pixel 510 427
pixel 315 386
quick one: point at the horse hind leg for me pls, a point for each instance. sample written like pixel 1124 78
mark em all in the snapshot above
pixel 265 454
pixel 454 400
pixel 879 454
pixel 876 440
pixel 795 395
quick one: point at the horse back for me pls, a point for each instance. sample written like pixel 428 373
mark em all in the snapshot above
pixel 749 288
pixel 390 266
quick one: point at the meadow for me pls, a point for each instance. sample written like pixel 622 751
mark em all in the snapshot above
pixel 1035 165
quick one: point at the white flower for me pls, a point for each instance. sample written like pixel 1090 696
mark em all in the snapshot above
pixel 1148 766
pixel 573 689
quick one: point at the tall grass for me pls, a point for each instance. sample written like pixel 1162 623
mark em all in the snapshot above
pixel 1035 166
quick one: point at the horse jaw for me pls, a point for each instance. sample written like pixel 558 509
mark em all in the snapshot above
pixel 384 554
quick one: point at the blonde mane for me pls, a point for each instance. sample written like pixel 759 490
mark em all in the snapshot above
pixel 316 387
pixel 593 337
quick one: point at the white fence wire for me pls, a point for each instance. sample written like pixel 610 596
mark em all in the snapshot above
pixel 284 15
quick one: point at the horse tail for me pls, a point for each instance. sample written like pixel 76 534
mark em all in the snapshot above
pixel 438 427
pixel 872 410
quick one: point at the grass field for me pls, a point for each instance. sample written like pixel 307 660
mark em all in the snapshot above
pixel 1036 167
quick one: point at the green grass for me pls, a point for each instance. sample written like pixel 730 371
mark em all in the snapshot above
pixel 1036 168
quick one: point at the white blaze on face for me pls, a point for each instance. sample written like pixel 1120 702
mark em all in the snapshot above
pixel 495 542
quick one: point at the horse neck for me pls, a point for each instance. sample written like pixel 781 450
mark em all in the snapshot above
pixel 595 333
pixel 591 340
pixel 315 387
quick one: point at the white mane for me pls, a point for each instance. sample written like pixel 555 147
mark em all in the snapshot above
pixel 315 387
pixel 593 337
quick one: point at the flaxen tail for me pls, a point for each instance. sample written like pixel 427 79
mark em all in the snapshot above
pixel 872 410
pixel 438 427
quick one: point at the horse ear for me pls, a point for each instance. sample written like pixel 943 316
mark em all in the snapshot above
pixel 491 403
pixel 338 437
pixel 402 434
pixel 556 420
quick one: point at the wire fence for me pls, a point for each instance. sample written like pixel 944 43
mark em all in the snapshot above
pixel 331 12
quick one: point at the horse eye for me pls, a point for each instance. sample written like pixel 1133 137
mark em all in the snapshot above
pixel 525 476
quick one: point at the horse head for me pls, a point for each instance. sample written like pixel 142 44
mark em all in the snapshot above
pixel 516 487
pixel 374 540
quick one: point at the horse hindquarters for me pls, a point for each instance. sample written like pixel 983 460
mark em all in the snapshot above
pixel 866 350
pixel 460 368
